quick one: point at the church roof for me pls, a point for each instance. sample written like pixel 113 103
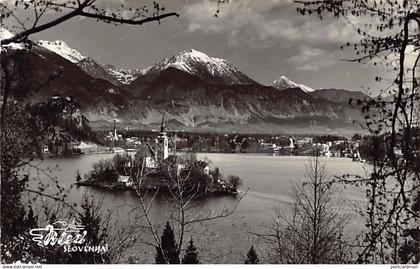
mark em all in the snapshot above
pixel 171 159
pixel 145 150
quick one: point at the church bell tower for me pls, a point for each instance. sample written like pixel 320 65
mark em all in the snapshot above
pixel 163 141
pixel 115 132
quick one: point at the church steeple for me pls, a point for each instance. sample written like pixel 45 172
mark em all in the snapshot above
pixel 163 141
pixel 115 131
pixel 163 126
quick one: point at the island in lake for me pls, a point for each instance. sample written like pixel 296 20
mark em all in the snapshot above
pixel 152 168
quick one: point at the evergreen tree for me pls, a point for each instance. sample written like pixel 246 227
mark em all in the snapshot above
pixel 97 230
pixel 168 246
pixel 191 254
pixel 251 257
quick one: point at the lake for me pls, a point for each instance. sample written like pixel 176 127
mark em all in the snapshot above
pixel 268 180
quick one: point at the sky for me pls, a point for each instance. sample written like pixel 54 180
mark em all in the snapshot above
pixel 265 39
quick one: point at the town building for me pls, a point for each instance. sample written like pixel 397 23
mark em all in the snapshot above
pixel 114 136
pixel 45 149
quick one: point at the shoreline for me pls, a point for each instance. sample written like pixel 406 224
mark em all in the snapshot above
pixel 274 154
pixel 117 187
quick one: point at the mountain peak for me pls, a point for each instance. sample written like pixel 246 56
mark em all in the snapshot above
pixel 6 34
pixel 199 56
pixel 284 82
pixel 62 49
pixel 198 63
pixel 196 53
pixel 125 76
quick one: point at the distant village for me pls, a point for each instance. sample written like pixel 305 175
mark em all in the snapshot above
pixel 120 140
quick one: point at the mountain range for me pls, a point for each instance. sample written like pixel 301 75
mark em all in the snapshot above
pixel 192 90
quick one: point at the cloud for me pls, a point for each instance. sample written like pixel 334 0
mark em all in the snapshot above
pixel 263 23
pixel 312 59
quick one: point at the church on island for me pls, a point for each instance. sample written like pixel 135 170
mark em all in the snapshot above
pixel 157 169
pixel 154 154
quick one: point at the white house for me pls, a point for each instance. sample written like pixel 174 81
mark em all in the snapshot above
pixel 125 180
pixel 206 170
pixel 45 150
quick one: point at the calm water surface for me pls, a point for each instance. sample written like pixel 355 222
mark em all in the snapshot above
pixel 268 180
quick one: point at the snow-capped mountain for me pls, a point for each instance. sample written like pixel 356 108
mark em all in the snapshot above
pixel 125 76
pixel 89 65
pixel 284 83
pixel 92 68
pixel 198 63
pixel 62 49
pixel 6 34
